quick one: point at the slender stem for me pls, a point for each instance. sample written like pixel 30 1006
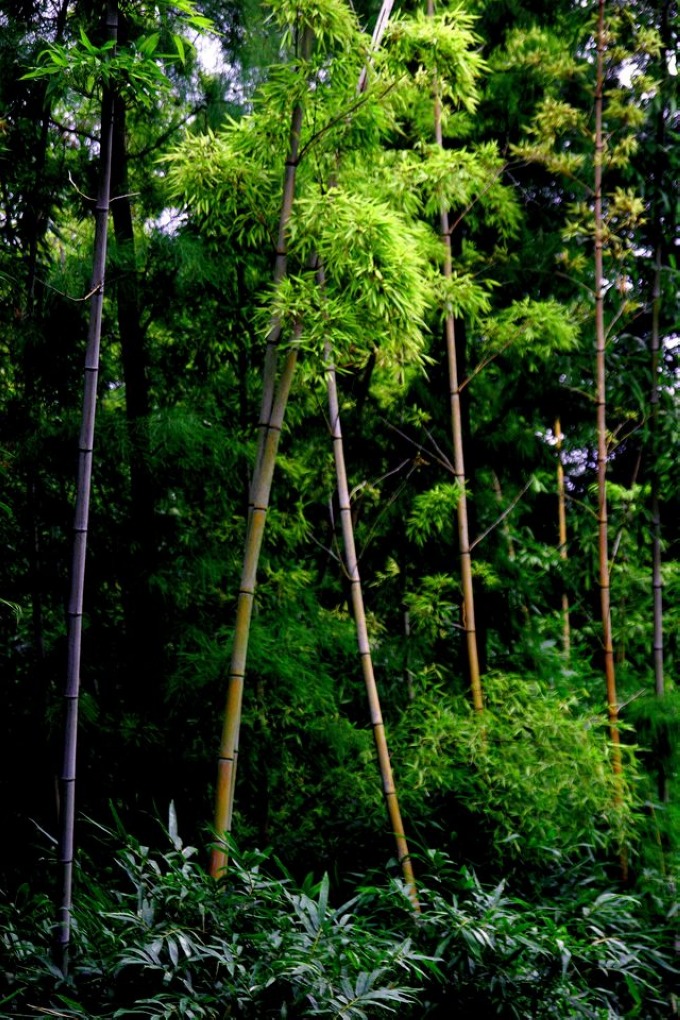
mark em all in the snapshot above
pixel 601 402
pixel 272 410
pixel 82 509
pixel 657 584
pixel 281 259
pixel 562 526
pixel 260 492
pixel 468 621
pixel 352 569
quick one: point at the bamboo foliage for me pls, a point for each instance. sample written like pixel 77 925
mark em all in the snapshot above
pixel 81 516
pixel 469 625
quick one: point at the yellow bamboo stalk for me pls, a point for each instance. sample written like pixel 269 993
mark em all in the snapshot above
pixel 352 570
pixel 274 400
pixel 228 753
pixel 281 260
pixel 601 402
pixel 468 621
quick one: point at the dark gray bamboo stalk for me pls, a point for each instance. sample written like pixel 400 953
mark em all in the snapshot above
pixel 469 624
pixel 81 516
pixel 352 570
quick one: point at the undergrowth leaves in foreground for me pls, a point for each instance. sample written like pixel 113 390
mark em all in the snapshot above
pixel 155 936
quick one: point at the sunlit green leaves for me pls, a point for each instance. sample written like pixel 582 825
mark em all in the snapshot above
pixel 444 49
pixel 331 22
pixel 534 329
pixel 219 177
pixel 532 764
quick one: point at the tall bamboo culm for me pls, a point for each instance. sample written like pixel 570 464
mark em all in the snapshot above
pixel 657 585
pixel 601 402
pixel 260 492
pixel 562 535
pixel 363 642
pixel 272 411
pixel 81 518
pixel 469 625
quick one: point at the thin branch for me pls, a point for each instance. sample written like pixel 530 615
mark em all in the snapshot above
pixel 336 120
pixel 441 458
pixel 79 192
pixel 476 199
pixel 74 131
pixel 499 520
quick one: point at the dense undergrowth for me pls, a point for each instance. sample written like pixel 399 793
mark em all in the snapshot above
pixel 155 936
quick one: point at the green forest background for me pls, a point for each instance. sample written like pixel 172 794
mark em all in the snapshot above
pixel 467 231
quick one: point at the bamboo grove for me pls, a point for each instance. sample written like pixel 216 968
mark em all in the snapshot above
pixel 382 354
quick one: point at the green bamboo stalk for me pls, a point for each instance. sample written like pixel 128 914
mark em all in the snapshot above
pixel 81 516
pixel 352 570
pixel 469 625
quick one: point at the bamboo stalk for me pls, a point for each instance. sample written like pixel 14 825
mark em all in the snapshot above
pixel 81 516
pixel 274 400
pixel 468 608
pixel 352 569
pixel 281 261
pixel 601 402
pixel 657 584
pixel 260 492
pixel 562 527
pixel 272 411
